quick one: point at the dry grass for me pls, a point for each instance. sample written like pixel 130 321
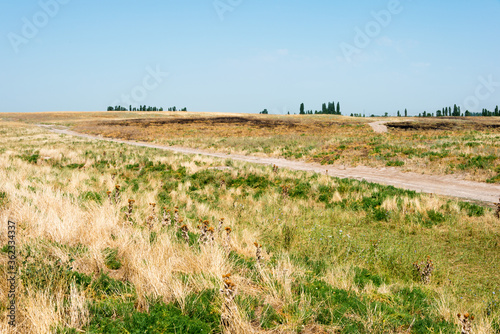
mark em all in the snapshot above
pixel 58 224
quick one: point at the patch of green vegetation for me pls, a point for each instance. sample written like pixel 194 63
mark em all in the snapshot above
pixel 110 316
pixel 3 198
pixel 363 276
pixel 395 163
pixel 31 157
pixel 480 162
pixel 495 179
pixel 90 196
pixel 242 261
pixel 473 210
pixel 340 307
pixel 111 259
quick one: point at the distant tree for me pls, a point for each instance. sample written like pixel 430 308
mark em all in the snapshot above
pixel 497 113
pixel 323 109
pixel 438 113
pixel 467 113
pixel 264 112
pixel 406 113
pixel 302 109
pixel 110 108
pixel 399 114
pixel 338 109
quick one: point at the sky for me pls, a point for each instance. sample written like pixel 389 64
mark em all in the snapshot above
pixel 245 56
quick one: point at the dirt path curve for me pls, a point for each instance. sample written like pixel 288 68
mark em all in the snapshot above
pixel 442 185
pixel 379 126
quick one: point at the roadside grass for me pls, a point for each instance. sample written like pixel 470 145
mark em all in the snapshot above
pixel 337 254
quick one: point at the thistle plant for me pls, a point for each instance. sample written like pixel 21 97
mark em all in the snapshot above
pixel 465 323
pixel 203 231
pixel 167 221
pixel 176 216
pixel 210 235
pixel 425 269
pixel 150 222
pixel 228 238
pixel 228 312
pixel 285 190
pixel 117 193
pixel 153 212
pixel 109 196
pixel 130 208
pixel 185 233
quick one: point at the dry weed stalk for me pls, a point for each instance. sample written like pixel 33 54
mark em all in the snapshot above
pixel 203 231
pixel 109 196
pixel 228 239
pixel 219 228
pixel 130 208
pixel 229 311
pixel 425 269
pixel 176 216
pixel 210 235
pixel 497 213
pixel 167 221
pixel 258 253
pixel 285 190
pixel 117 193
pixel 150 222
pixel 185 233
pixel 153 212
pixel 275 168
pixel 465 322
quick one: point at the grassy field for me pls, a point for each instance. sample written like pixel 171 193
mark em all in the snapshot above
pixel 332 255
pixel 466 147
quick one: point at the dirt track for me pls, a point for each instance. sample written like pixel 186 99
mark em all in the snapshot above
pixel 442 185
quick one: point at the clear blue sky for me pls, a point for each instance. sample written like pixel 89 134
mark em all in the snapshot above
pixel 247 55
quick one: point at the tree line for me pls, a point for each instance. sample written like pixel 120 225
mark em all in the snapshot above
pixel 456 112
pixel 326 108
pixel 143 108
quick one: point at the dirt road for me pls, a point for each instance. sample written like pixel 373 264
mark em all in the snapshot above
pixel 442 185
